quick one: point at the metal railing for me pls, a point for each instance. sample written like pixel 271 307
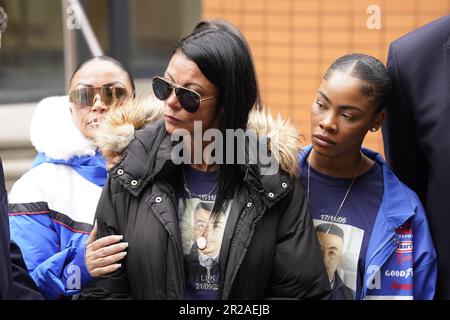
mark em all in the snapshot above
pixel 74 18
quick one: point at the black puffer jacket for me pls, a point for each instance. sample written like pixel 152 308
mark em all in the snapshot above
pixel 269 247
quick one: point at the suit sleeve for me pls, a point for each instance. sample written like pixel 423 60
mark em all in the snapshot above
pixel 299 270
pixel 5 258
pixel 15 282
pixel 115 285
pixel 425 261
pixel 400 136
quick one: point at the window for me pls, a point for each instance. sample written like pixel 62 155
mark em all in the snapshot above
pixel 139 33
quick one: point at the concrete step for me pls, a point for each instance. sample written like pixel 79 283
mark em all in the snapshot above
pixel 16 159
pixel 15 128
pixel 17 153
pixel 16 150
pixel 15 163
pixel 14 169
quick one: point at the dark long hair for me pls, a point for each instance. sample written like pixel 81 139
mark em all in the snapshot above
pixel 113 61
pixel 376 83
pixel 220 24
pixel 224 60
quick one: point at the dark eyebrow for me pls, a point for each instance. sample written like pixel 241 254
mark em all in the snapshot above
pixel 105 85
pixel 186 84
pixel 350 108
pixel 113 83
pixel 345 107
pixel 324 96
pixel 84 84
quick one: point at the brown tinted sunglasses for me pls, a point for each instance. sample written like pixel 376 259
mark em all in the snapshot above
pixel 109 95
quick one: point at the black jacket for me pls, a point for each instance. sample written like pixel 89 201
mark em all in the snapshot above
pixel 15 283
pixel 416 134
pixel 5 259
pixel 269 247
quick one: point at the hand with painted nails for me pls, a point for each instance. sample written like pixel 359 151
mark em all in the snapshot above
pixel 103 255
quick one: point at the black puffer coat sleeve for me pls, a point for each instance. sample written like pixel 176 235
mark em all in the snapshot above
pixel 298 271
pixel 114 285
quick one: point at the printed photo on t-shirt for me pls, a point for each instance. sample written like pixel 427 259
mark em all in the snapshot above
pixel 202 234
pixel 340 246
pixel 197 223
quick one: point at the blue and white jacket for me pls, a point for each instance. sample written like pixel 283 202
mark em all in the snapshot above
pixel 401 260
pixel 52 206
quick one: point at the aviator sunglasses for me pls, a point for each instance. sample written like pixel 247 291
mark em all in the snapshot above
pixel 189 99
pixel 109 95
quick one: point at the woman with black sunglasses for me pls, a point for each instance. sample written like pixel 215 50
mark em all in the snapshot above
pixel 52 206
pixel 203 221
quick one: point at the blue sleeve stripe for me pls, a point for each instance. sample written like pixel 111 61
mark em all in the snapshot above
pixel 36 208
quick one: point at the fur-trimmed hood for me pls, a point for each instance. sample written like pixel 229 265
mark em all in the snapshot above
pixel 119 127
pixel 54 133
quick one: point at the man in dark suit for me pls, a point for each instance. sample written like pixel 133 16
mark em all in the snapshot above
pixel 15 282
pixel 416 132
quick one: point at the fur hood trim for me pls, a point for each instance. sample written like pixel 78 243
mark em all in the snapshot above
pixel 284 138
pixel 54 133
pixel 118 130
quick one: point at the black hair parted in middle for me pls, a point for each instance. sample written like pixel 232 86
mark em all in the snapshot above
pixel 225 61
pixel 108 59
pixel 220 24
pixel 376 83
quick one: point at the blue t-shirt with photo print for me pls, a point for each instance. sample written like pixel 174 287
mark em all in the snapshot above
pixel 201 234
pixel 350 230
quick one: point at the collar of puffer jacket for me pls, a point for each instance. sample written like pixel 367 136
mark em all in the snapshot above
pixel 135 131
pixel 54 133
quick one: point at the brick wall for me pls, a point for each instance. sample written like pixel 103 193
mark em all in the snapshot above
pixel 294 41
